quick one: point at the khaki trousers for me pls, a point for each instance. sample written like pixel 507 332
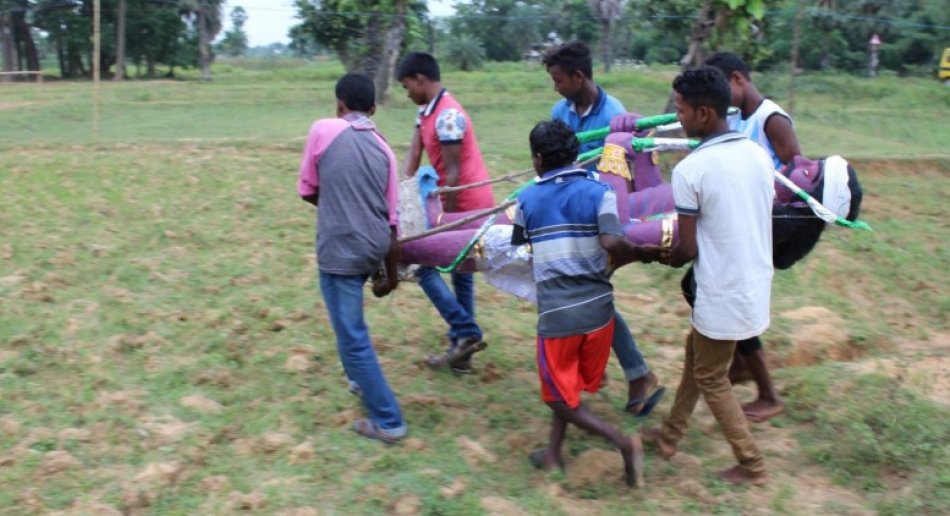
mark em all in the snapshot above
pixel 706 372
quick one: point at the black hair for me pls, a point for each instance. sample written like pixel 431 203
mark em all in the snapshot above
pixel 356 91
pixel 419 63
pixel 729 63
pixel 704 86
pixel 571 57
pixel 555 142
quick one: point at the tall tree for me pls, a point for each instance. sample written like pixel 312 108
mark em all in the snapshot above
pixel 206 16
pixel 120 42
pixel 608 12
pixel 367 35
pixel 234 43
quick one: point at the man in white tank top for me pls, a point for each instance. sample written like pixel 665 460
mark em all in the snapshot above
pixel 767 124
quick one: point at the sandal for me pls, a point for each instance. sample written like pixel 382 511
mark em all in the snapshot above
pixel 367 428
pixel 649 403
pixel 457 356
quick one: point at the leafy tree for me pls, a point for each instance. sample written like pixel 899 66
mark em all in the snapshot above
pixel 366 35
pixel 234 43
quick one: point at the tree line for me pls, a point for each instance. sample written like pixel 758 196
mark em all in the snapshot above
pixel 144 33
pixel 370 35
pixel 834 34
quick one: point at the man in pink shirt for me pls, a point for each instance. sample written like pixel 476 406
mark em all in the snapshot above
pixel 446 133
pixel 349 173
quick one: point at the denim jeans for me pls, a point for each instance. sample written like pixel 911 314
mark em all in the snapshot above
pixel 343 296
pixel 458 309
pixel 625 347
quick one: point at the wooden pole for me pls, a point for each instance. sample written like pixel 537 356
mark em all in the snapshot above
pixel 460 222
pixel 96 49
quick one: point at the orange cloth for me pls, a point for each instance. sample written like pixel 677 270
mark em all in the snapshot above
pixel 569 365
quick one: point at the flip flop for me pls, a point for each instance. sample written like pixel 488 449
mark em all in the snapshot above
pixel 367 428
pixel 648 404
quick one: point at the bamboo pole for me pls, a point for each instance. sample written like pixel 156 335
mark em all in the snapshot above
pixel 461 222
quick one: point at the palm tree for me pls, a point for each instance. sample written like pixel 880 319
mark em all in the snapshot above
pixel 206 15
pixel 608 12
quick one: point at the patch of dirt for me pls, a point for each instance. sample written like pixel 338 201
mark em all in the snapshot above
pixel 407 505
pixel 453 490
pixel 570 505
pixel 125 402
pixel 298 511
pixel 165 429
pixel 498 506
pixel 274 441
pixel 824 337
pixel 490 373
pixel 302 453
pixel 214 484
pixel 56 462
pixel 474 453
pixel 924 367
pixel 238 501
pixel 160 474
pixel 300 362
pixel 201 404
pixel 84 508
pixel 593 468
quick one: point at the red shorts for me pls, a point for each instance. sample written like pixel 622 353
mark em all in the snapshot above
pixel 569 365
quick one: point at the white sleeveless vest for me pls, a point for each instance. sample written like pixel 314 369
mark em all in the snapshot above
pixel 754 126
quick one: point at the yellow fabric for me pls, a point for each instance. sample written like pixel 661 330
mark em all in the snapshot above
pixel 614 161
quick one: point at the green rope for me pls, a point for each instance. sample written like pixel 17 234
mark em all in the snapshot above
pixel 481 231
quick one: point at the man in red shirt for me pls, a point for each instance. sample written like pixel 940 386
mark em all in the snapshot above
pixel 445 131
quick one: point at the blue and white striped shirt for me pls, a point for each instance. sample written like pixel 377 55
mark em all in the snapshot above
pixel 562 217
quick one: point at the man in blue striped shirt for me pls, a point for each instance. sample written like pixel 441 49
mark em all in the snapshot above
pixel 571 222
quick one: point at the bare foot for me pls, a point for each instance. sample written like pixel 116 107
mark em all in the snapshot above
pixel 544 459
pixel 760 411
pixel 633 462
pixel 736 475
pixel 654 437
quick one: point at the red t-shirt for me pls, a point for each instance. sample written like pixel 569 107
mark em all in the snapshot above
pixel 444 122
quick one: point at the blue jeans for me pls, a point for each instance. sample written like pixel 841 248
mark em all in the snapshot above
pixel 625 347
pixel 457 309
pixel 343 296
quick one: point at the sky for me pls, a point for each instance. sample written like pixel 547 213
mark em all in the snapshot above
pixel 269 20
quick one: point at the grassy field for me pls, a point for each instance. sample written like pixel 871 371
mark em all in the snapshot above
pixel 164 349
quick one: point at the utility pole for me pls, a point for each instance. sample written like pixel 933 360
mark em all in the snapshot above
pixel 96 49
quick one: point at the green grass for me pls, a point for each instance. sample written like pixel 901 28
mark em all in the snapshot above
pixel 884 436
pixel 168 256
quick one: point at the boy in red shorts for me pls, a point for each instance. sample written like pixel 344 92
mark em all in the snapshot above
pixel 571 222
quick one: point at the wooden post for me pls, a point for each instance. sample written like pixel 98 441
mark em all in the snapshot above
pixel 96 49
